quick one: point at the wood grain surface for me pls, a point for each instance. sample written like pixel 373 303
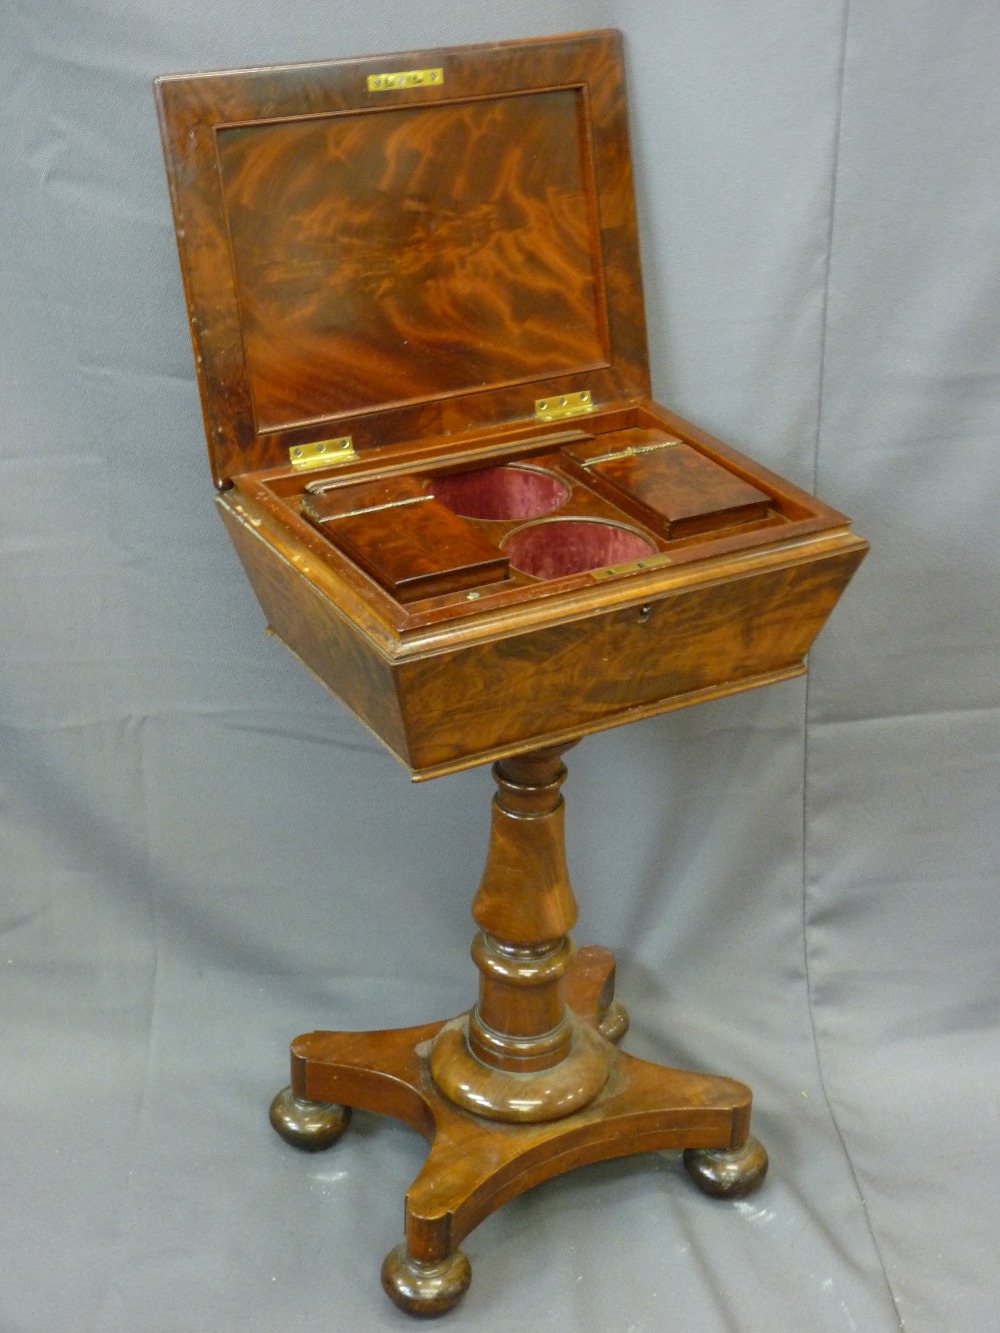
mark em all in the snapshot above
pixel 415 268
pixel 412 253
pixel 586 673
pixel 474 1167
pixel 667 484
pixel 415 547
pixel 390 265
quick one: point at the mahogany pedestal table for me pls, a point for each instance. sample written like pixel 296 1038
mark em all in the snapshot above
pixel 530 1083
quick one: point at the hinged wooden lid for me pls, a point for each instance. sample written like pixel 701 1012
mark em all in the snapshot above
pixel 394 247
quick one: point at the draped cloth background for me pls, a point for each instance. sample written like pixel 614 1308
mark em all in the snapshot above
pixel 203 854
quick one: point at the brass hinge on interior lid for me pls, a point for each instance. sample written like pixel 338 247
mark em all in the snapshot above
pixel 561 405
pixel 321 453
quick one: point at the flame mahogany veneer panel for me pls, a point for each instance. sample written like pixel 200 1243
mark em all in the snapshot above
pixel 318 634
pixel 666 483
pixel 353 250
pixel 452 708
pixel 403 264
pixel 695 641
pixel 415 548
pixel 417 267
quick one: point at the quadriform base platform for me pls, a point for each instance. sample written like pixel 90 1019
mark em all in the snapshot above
pixel 415 301
pixel 530 1083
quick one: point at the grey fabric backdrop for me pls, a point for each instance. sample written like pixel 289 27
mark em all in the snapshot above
pixel 203 854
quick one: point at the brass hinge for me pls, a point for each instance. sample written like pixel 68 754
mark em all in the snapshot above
pixel 321 453
pixel 561 405
pixel 405 78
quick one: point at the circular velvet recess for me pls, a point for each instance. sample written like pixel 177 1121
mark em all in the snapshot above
pixel 564 546
pixel 500 492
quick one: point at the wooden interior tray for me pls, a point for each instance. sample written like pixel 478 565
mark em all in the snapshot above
pixel 601 504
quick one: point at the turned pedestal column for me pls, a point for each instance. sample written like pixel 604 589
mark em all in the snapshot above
pixel 529 1083
pixel 525 910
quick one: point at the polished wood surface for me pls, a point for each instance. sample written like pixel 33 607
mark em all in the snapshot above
pixel 398 263
pixel 272 501
pixel 301 612
pixel 525 909
pixel 454 700
pixel 590 993
pixel 414 547
pixel 727 1173
pixel 418 268
pixel 320 506
pixel 522 1088
pixel 425 1289
pixel 476 672
pixel 689 645
pixel 667 484
pixel 311 1126
pixel 378 244
pixel 476 1165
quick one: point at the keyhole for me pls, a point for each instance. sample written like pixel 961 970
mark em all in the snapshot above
pixel 645 611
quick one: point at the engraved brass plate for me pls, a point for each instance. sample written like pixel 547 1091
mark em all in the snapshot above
pixel 321 453
pixel 631 567
pixel 562 405
pixel 404 78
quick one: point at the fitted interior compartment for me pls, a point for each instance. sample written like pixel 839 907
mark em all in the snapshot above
pixel 594 503
pixel 667 484
pixel 405 539
pixel 557 547
pixel 514 491
pixel 415 582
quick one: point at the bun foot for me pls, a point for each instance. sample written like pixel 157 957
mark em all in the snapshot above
pixel 590 992
pixel 613 1023
pixel 727 1175
pixel 425 1289
pixel 308 1125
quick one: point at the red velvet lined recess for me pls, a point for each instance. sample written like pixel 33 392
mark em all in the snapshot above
pixel 564 546
pixel 500 493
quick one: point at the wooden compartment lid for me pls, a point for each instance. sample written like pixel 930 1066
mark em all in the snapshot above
pixel 667 484
pixel 401 246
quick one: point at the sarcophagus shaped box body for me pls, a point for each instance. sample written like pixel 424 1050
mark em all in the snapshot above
pixel 416 305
